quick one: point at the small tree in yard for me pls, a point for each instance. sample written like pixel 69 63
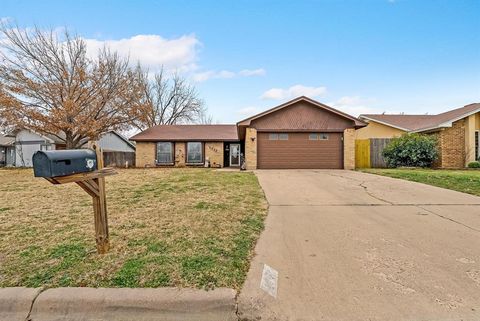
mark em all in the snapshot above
pixel 411 150
pixel 48 84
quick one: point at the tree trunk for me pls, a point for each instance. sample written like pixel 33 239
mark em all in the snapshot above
pixel 69 144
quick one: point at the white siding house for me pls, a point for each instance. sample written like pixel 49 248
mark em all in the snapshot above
pixel 27 142
pixel 113 141
pixel 7 151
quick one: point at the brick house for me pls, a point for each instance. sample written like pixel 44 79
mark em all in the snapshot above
pixel 301 133
pixel 457 130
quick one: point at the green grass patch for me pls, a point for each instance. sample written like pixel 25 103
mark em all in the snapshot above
pixel 129 275
pixel 168 227
pixel 466 181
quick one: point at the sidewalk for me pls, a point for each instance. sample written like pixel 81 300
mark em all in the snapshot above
pixel 120 304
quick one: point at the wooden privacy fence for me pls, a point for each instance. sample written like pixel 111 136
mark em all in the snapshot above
pixel 118 159
pixel 368 152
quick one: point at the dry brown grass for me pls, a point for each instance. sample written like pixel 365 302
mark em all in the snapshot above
pixel 168 227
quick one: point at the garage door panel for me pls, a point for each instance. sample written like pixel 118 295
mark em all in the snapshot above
pixel 300 152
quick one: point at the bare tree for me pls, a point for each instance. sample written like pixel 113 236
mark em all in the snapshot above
pixel 50 85
pixel 168 101
pixel 4 127
pixel 205 119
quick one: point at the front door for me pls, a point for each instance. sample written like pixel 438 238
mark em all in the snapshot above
pixel 234 154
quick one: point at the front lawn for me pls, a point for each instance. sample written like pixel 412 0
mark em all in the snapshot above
pixel 466 181
pixel 168 227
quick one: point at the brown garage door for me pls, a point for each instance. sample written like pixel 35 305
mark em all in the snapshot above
pixel 300 150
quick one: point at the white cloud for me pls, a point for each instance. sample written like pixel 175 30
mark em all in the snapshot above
pixel 153 51
pixel 294 91
pixel 203 76
pixel 248 111
pixel 252 72
pixel 225 74
pixel 354 105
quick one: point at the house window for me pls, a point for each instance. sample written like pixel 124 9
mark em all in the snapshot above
pixel 323 136
pixel 194 152
pixel 165 153
pixel 273 136
pixel 278 136
pixel 318 136
pixel 45 147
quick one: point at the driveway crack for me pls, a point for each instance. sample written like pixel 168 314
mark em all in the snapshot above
pixel 448 219
pixel 365 188
pixel 362 185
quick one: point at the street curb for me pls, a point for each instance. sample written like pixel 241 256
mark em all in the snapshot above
pixel 15 303
pixel 122 304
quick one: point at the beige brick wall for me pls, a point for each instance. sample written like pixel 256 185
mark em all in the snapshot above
pixel 214 153
pixel 452 146
pixel 251 148
pixel 145 154
pixel 470 139
pixel 180 154
pixel 438 162
pixel 349 148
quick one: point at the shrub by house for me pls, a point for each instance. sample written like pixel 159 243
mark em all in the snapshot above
pixel 412 150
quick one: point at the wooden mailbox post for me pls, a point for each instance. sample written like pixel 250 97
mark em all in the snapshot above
pixel 94 184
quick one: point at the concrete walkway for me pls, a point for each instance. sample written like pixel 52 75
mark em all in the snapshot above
pixel 88 304
pixel 353 246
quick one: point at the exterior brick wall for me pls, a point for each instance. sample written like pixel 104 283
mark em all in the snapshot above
pixel 145 154
pixel 470 139
pixel 180 154
pixel 452 146
pixel 349 148
pixel 251 148
pixel 214 153
pixel 438 162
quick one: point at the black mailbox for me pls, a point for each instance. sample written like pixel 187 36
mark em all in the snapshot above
pixel 55 163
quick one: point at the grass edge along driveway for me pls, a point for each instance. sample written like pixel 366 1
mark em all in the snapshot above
pixel 168 227
pixel 466 181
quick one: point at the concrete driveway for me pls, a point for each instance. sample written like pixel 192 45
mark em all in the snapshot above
pixel 354 246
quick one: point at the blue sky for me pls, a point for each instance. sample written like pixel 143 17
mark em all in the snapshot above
pixel 246 56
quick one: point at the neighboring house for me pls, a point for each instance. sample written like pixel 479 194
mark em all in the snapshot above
pixel 114 141
pixel 301 133
pixel 23 143
pixel 457 130
pixel 7 151
pixel 26 143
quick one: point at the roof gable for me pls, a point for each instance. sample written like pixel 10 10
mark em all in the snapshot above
pixel 302 116
pixel 357 122
pixel 123 138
